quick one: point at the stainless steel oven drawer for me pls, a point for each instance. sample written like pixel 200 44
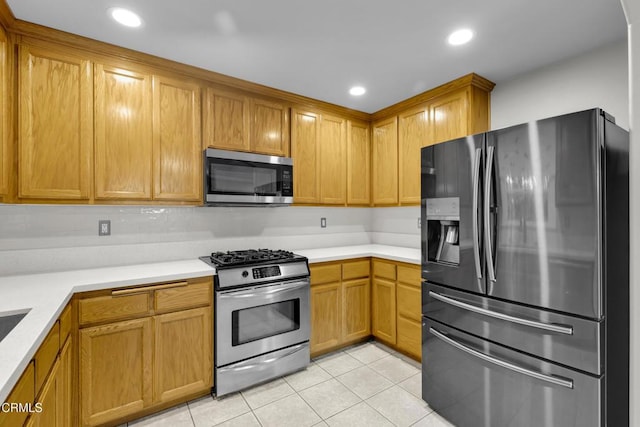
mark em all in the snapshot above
pixel 473 382
pixel 565 339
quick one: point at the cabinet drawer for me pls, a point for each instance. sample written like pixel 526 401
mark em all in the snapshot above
pixel 23 392
pixel 409 302
pixel 65 324
pixel 384 269
pixel 409 275
pixel 325 273
pixel 355 270
pixel 107 308
pixel 409 336
pixel 194 294
pixel 46 355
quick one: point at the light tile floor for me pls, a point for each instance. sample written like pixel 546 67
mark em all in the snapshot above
pixel 364 385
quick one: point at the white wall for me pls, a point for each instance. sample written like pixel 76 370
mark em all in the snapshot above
pixel 595 79
pixel 632 12
pixel 53 238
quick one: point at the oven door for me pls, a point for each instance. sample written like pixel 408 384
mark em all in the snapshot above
pixel 260 319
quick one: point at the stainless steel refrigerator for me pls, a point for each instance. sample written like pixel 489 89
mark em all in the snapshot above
pixel 525 259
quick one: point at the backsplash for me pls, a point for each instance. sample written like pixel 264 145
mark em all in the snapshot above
pixel 38 238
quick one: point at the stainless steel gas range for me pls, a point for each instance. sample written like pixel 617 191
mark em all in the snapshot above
pixel 261 316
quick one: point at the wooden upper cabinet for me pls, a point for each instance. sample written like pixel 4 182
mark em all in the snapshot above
pixel 358 163
pixel 385 162
pixel 412 136
pixel 227 120
pixel 269 128
pixel 177 141
pixel 123 140
pixel 449 116
pixel 54 124
pixel 305 137
pixel 333 162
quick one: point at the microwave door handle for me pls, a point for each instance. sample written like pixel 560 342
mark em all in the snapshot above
pixel 488 235
pixel 474 220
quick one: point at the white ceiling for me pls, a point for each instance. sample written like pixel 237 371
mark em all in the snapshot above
pixel 321 48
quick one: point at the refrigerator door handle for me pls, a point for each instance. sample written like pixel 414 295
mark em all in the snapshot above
pixel 567 330
pixel 568 383
pixel 487 215
pixel 476 234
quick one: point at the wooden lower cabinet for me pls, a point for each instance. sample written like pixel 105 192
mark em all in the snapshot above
pixel 356 309
pixel 397 305
pixel 326 324
pixel 23 393
pixel 160 356
pixel 115 370
pixel 384 309
pixel 183 353
pixel 55 396
pixel 340 304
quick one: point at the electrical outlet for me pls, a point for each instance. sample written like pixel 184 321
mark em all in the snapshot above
pixel 104 227
pixel 323 222
pixel 419 222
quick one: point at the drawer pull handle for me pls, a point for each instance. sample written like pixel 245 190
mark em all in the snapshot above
pixel 539 375
pixel 145 289
pixel 567 330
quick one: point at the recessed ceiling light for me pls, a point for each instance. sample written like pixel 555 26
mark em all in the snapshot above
pixel 125 17
pixel 460 37
pixel 357 91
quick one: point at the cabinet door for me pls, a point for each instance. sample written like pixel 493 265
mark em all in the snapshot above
pixel 385 162
pixel 384 309
pixel 226 120
pixel 269 128
pixel 305 135
pixel 123 134
pixel 356 305
pixel 5 120
pixel 449 116
pixel 412 136
pixel 115 370
pixel 326 310
pixel 333 162
pixel 55 395
pixel 409 332
pixel 358 163
pixel 177 143
pixel 55 125
pixel 24 394
pixel 183 354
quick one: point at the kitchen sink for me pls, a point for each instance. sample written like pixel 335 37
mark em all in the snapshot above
pixel 9 321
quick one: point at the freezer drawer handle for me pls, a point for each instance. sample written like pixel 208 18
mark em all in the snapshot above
pixel 539 375
pixel 567 330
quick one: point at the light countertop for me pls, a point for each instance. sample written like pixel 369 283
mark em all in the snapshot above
pixel 45 295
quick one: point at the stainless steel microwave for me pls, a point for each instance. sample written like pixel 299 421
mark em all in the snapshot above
pixel 247 179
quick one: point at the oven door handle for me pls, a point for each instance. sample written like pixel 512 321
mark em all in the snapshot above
pixel 264 363
pixel 262 290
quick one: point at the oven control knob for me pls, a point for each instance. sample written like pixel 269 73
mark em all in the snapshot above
pixel 245 273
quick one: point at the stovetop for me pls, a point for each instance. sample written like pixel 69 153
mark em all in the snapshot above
pixel 251 266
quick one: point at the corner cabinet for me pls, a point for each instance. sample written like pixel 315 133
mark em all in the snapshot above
pixel 340 304
pixel 358 163
pixel 123 111
pixel 55 124
pixel 144 348
pixel 384 177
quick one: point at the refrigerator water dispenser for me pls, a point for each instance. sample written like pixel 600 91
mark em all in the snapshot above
pixel 443 229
